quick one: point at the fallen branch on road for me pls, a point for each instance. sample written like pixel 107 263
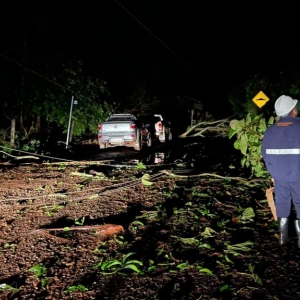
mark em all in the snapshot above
pixel 241 179
pixel 104 230
pixel 220 126
pixel 20 157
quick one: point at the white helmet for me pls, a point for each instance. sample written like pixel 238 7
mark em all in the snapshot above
pixel 284 105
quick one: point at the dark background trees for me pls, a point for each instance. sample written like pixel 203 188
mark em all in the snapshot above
pixel 136 56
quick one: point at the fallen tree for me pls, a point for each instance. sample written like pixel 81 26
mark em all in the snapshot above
pixel 219 127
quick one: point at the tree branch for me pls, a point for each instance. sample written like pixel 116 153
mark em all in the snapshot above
pixel 220 126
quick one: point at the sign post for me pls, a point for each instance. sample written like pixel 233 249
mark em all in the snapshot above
pixel 260 99
pixel 69 126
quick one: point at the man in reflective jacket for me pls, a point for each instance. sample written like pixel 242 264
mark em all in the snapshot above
pixel 281 153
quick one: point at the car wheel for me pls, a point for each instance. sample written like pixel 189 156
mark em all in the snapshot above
pixel 138 146
pixel 102 146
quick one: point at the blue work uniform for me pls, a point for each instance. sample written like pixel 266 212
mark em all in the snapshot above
pixel 281 153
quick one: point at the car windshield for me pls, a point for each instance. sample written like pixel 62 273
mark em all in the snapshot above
pixel 121 119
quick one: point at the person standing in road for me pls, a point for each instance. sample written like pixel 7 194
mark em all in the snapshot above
pixel 281 153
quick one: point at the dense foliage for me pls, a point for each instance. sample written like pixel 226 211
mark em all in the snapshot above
pixel 251 121
pixel 249 133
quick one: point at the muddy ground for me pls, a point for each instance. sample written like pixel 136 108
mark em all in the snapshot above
pixel 185 224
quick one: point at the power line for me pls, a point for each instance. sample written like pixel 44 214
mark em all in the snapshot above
pixel 36 73
pixel 166 46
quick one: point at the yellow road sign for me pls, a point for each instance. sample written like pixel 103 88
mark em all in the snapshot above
pixel 260 99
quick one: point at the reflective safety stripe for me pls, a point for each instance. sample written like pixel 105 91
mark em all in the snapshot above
pixel 283 151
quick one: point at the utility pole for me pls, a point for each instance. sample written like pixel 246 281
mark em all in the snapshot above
pixel 70 121
pixel 70 125
pixel 13 124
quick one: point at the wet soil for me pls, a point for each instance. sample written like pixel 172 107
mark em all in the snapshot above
pixel 196 228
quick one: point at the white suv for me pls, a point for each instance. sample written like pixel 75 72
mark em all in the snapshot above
pixel 159 128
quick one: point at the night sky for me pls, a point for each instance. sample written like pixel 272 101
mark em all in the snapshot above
pixel 200 49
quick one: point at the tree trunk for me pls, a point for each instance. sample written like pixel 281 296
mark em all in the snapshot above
pixel 13 132
pixel 22 81
pixel 38 122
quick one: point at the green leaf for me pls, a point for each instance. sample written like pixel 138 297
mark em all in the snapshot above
pixel 146 176
pixel 146 180
pixel 263 126
pixel 251 268
pixel 81 288
pixel 233 124
pixel 239 247
pixel 236 145
pixel 248 119
pixel 39 270
pixel 247 215
pixel 44 282
pixel 102 265
pixel 244 144
pixel 243 160
pixel 189 241
pixel 271 120
pixel 205 245
pixel 228 259
pixel 240 125
pixel 208 232
pixel 134 261
pixel 205 270
pixel 134 268
pixel 231 133
pixel 125 257
pixel 183 266
pixel 224 288
pixel 112 264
